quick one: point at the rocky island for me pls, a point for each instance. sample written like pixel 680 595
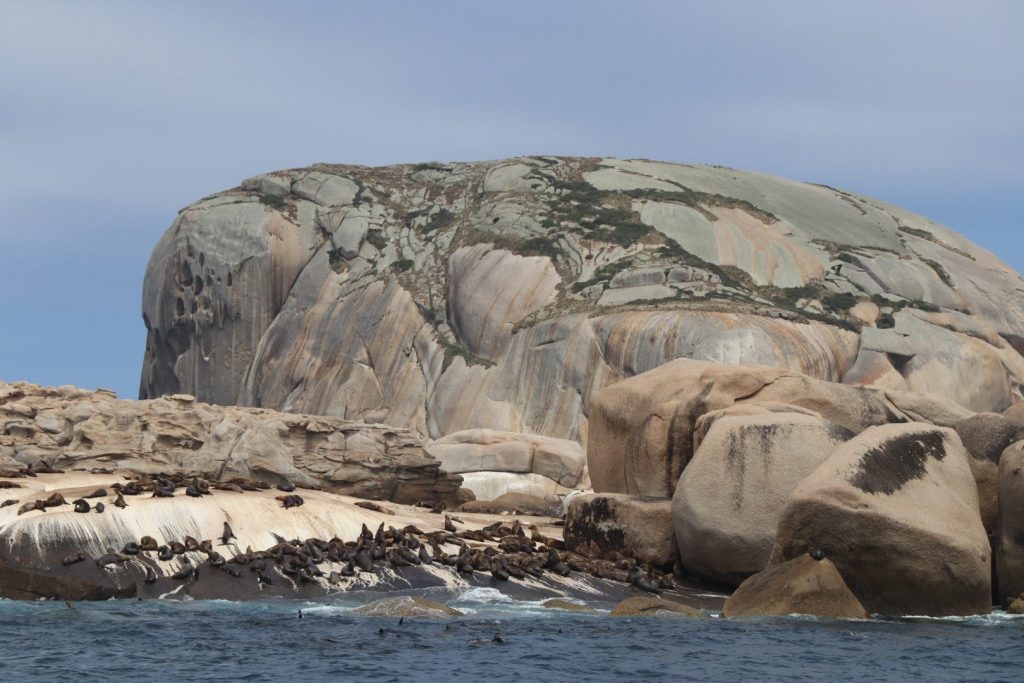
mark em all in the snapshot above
pixel 560 377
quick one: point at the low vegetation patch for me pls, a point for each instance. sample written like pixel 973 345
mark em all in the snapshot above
pixel 274 201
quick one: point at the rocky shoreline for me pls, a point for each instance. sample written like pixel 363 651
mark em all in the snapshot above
pixel 796 497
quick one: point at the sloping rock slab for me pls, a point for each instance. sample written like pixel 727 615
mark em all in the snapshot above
pixel 800 586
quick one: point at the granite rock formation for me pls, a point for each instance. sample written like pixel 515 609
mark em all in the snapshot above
pixel 730 497
pixel 502 295
pixel 801 586
pixel 72 429
pixel 896 510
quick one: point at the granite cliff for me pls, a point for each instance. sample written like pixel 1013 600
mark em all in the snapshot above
pixel 502 295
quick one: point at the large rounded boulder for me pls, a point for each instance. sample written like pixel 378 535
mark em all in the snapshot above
pixel 1009 545
pixel 896 510
pixel 730 497
pixel 986 436
pixel 642 430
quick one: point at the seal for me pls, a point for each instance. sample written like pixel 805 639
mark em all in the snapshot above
pixel 364 559
pixel 55 500
pixel 98 493
pixel 81 505
pixel 150 575
pixel 227 534
pixel 73 559
pixel 639 579
pixel 32 505
pixel 148 543
pixel 9 501
pixel 119 501
pixel 164 553
pixel 186 571
pixel 99 507
pixel 286 486
pixel 109 559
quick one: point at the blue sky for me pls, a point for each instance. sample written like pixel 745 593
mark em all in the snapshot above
pixel 113 115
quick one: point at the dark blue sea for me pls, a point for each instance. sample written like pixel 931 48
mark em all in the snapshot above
pixel 497 640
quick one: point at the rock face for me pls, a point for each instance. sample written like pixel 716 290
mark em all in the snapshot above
pixel 730 497
pixel 503 295
pixel 642 429
pixel 986 436
pixel 801 586
pixel 896 510
pixel 1009 545
pixel 69 428
pixel 597 525
pixel 494 463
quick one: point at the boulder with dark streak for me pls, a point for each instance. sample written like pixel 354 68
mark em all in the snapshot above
pixel 896 510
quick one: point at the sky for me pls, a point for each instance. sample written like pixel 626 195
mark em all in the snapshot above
pixel 114 115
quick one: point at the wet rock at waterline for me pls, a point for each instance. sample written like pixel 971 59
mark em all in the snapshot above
pixel 802 585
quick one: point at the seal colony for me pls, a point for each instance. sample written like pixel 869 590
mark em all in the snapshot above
pixel 176 535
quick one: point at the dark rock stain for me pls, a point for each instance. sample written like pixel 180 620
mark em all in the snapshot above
pixel 887 467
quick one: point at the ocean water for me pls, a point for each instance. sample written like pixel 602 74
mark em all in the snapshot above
pixel 497 640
